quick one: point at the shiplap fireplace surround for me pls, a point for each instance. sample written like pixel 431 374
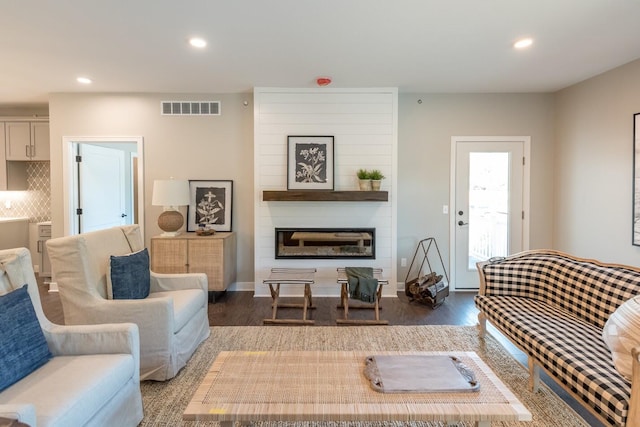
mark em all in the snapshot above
pixel 364 123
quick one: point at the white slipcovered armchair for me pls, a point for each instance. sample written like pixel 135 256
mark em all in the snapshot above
pixel 93 377
pixel 172 320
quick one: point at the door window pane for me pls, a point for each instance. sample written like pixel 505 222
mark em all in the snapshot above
pixel 488 206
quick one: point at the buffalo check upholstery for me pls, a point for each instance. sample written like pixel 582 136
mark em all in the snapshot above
pixel 555 307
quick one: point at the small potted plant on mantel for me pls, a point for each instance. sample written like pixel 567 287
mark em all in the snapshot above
pixel 364 182
pixel 376 178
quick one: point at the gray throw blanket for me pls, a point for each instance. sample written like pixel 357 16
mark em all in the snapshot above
pixel 362 284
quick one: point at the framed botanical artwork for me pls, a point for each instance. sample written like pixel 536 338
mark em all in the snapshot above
pixel 210 205
pixel 310 163
pixel 636 180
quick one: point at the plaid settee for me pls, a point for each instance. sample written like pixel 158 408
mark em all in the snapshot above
pixel 553 307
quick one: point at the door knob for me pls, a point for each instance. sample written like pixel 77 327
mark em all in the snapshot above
pixel 462 223
pixel 123 215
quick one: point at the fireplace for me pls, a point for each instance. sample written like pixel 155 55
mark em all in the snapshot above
pixel 325 243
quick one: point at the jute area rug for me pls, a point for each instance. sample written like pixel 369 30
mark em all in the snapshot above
pixel 164 402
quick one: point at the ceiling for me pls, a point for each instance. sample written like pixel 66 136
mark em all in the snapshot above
pixel 422 46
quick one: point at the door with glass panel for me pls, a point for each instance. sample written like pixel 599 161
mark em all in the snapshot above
pixel 488 211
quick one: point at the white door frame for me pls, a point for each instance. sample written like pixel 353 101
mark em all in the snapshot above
pixel 526 140
pixel 68 160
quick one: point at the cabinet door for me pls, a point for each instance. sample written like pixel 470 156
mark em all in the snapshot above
pixel 18 140
pixel 205 256
pixel 13 175
pixel 40 141
pixel 169 255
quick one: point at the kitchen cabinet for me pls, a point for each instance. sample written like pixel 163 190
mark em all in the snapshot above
pixel 27 140
pixel 189 253
pixel 13 175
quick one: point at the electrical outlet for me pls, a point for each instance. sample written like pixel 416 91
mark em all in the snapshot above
pixel 403 262
pixel 445 209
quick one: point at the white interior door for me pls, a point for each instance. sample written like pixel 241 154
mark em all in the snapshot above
pixel 102 188
pixel 133 149
pixel 489 204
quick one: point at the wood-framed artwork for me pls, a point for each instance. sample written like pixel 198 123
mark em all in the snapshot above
pixel 210 204
pixel 636 180
pixel 310 163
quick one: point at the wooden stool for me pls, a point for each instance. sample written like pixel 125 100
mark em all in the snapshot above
pixel 344 300
pixel 290 276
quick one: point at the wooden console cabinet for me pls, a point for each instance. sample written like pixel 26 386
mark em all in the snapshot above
pixel 189 253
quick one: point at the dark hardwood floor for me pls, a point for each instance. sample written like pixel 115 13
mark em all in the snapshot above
pixel 243 309
pixel 457 310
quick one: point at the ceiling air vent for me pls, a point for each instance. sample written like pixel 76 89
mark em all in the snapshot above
pixel 190 108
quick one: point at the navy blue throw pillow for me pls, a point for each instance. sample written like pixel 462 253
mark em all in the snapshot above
pixel 23 348
pixel 130 275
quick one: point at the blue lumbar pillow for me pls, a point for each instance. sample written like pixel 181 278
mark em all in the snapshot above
pixel 23 347
pixel 130 275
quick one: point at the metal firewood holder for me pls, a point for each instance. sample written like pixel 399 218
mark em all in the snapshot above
pixel 422 249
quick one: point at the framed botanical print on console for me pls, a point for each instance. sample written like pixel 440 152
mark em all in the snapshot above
pixel 210 204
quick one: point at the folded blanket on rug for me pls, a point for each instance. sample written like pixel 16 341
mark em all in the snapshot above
pixel 362 284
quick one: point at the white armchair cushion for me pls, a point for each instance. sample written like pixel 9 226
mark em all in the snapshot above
pixel 70 390
pixel 186 304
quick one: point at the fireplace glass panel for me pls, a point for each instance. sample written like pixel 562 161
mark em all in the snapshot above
pixel 325 243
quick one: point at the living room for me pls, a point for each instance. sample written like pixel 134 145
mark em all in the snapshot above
pixel 581 150
pixel 581 162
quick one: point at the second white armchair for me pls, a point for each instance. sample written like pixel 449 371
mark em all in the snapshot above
pixel 172 319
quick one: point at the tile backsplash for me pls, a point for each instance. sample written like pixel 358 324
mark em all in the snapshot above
pixel 35 203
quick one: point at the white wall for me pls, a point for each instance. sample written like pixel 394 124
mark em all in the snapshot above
pixel 426 124
pixel 581 174
pixel 364 126
pixel 593 188
pixel 222 148
pixel 185 147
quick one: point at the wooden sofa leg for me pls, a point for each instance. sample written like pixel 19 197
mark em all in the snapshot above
pixel 482 322
pixel 534 375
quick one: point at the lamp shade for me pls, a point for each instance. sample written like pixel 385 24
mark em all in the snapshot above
pixel 170 192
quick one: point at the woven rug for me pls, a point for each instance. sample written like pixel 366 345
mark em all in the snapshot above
pixel 164 402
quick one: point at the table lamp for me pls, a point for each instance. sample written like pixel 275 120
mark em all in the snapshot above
pixel 170 193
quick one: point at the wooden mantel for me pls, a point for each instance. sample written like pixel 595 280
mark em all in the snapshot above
pixel 324 196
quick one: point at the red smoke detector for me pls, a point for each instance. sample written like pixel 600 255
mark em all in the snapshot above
pixel 323 81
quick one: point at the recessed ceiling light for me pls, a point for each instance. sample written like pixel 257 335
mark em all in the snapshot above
pixel 197 42
pixel 523 43
pixel 84 80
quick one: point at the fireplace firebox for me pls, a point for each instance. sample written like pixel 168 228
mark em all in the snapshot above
pixel 325 243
